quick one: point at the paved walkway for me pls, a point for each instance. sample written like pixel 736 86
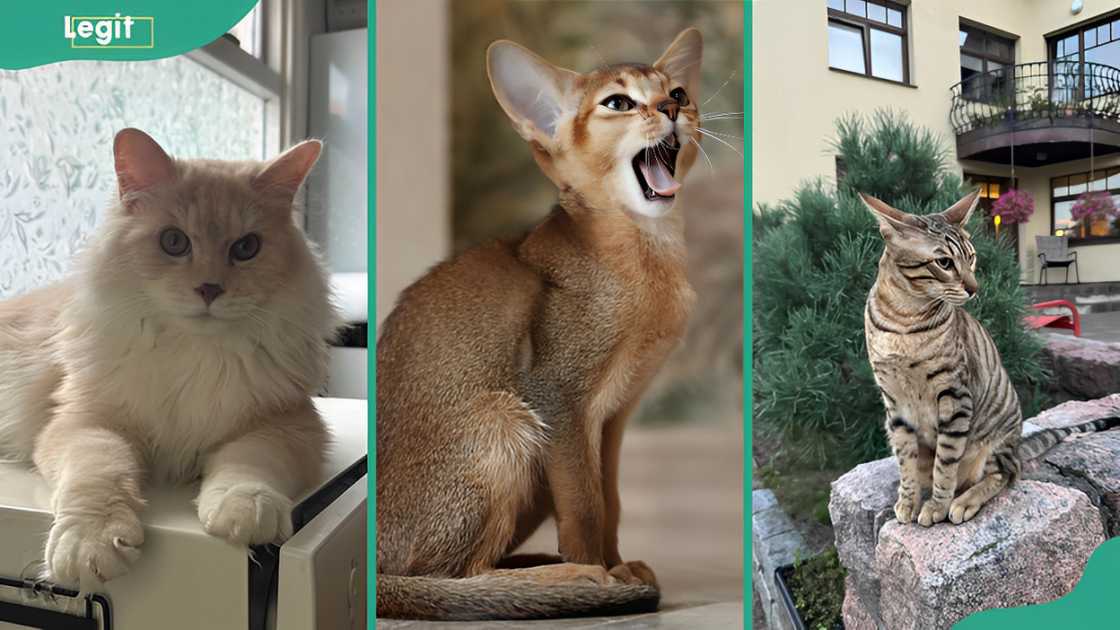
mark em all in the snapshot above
pixel 1097 326
pixel 682 499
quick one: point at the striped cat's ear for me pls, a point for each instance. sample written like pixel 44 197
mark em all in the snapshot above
pixel 891 220
pixel 959 213
pixel 532 92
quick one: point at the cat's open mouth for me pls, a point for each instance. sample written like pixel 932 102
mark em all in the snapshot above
pixel 655 166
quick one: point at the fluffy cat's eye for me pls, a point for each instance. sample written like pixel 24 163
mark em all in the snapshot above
pixel 945 263
pixel 174 242
pixel 618 102
pixel 245 248
pixel 680 97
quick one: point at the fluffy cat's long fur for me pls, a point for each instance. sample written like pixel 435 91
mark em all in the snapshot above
pixel 122 373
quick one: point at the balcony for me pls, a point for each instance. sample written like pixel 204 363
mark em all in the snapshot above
pixel 1038 113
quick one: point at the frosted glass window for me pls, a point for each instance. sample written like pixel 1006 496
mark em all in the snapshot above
pixel 56 147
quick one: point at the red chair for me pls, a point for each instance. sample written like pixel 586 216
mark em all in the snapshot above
pixel 1070 322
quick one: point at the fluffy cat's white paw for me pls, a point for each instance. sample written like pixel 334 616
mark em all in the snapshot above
pixel 98 546
pixel 246 514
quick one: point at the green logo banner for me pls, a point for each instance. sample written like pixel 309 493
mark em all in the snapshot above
pixel 1091 604
pixel 48 32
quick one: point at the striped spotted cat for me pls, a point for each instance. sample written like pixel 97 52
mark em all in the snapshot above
pixel 953 418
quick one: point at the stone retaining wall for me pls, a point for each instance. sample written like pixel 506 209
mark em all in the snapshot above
pixel 1028 545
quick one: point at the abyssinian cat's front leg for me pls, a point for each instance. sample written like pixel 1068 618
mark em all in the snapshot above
pixel 249 482
pixel 635 571
pixel 954 418
pixel 575 479
pixel 95 474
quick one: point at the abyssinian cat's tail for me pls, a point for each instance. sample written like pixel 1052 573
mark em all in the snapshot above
pixel 506 597
pixel 1039 442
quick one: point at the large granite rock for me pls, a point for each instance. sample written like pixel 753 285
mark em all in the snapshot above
pixel 1088 462
pixel 1028 545
pixel 1082 368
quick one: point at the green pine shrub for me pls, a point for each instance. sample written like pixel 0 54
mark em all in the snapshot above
pixel 815 258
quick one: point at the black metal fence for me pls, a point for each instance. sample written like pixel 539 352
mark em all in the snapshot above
pixel 1037 90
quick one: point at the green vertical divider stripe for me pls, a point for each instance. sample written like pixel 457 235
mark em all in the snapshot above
pixel 371 355
pixel 748 572
pixel 39 33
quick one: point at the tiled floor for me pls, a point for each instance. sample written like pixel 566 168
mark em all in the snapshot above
pixel 682 498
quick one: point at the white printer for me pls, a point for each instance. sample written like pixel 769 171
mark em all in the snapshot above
pixel 188 580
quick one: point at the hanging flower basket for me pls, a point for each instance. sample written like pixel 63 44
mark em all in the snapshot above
pixel 1013 206
pixel 1096 205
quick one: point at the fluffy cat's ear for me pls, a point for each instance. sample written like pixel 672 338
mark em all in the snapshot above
pixel 959 213
pixel 533 92
pixel 287 171
pixel 892 221
pixel 681 60
pixel 140 162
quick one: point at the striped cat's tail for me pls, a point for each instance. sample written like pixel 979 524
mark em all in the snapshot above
pixel 1037 443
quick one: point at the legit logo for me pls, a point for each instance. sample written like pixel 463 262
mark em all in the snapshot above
pixel 114 31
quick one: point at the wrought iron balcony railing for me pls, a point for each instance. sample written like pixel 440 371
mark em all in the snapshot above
pixel 1036 91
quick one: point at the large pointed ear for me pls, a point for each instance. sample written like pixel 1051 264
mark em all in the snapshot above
pixel 140 162
pixel 286 172
pixel 681 61
pixel 534 93
pixel 892 221
pixel 959 213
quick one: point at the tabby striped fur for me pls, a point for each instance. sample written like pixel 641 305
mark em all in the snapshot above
pixel 953 418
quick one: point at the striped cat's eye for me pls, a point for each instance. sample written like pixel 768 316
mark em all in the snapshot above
pixel 618 102
pixel 680 97
pixel 945 263
pixel 245 248
pixel 174 242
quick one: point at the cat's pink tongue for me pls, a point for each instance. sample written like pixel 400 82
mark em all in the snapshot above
pixel 659 178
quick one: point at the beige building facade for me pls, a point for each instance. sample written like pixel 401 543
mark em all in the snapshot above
pixel 1039 75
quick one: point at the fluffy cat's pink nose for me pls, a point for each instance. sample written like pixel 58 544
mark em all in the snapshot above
pixel 209 292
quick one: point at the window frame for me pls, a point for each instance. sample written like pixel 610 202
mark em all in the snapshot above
pixel 865 24
pixel 985 57
pixel 1056 199
pixel 279 74
pixel 1054 37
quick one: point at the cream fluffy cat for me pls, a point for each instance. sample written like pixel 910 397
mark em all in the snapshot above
pixel 187 343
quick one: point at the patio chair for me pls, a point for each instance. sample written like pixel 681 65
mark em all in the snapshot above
pixel 1069 322
pixel 1054 251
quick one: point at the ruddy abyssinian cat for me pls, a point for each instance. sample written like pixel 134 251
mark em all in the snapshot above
pixel 186 343
pixel 953 418
pixel 506 374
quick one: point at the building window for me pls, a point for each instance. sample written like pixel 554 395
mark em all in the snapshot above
pixel 991 187
pixel 868 38
pixel 1096 42
pixel 986 61
pixel 1064 192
